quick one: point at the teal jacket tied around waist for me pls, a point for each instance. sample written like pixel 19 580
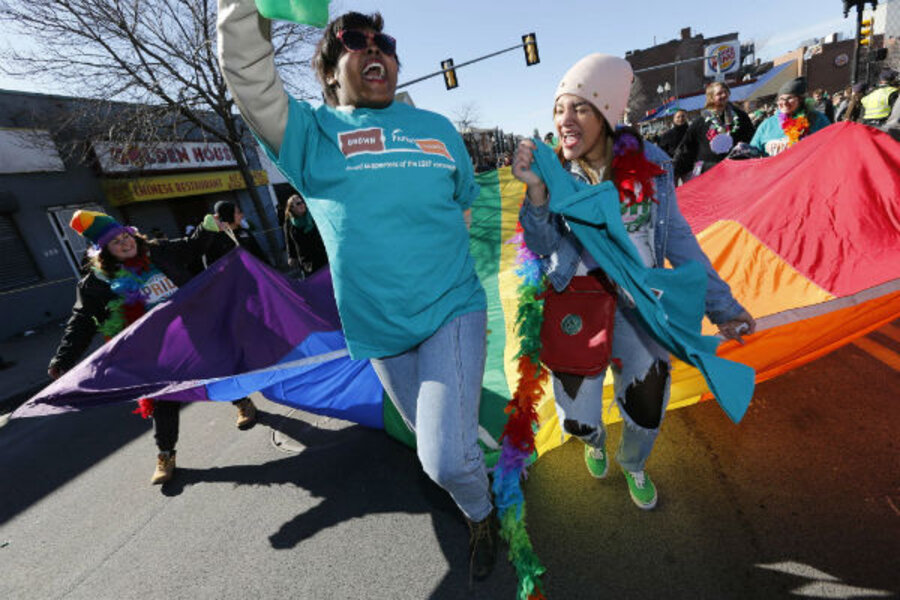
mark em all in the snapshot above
pixel 670 302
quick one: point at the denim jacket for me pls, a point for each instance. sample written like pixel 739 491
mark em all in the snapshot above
pixel 548 235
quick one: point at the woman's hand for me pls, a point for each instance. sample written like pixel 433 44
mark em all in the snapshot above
pixel 743 324
pixel 54 372
pixel 521 170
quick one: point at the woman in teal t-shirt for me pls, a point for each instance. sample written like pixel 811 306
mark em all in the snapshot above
pixel 387 185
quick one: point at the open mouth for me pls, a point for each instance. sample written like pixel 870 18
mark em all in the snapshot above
pixel 570 139
pixel 374 71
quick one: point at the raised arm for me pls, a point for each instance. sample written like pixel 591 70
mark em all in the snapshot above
pixel 247 60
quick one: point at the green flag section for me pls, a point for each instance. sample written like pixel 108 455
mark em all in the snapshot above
pixel 305 12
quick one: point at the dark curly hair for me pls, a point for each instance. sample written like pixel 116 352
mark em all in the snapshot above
pixel 329 49
pixel 109 264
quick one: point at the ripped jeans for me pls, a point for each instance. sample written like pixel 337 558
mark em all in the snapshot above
pixel 641 380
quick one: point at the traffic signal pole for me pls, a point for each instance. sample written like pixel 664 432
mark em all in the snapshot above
pixel 453 67
pixel 855 73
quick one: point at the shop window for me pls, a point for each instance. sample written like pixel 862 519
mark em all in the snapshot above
pixel 17 269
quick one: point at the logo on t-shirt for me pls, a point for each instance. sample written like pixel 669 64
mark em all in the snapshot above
pixel 433 147
pixel 362 140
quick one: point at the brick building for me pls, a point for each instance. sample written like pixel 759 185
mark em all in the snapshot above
pixel 684 80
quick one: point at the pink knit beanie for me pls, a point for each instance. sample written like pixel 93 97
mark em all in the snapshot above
pixel 603 80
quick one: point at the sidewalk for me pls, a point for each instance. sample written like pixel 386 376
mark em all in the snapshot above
pixel 25 357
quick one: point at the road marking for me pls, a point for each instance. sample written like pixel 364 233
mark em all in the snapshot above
pixel 879 352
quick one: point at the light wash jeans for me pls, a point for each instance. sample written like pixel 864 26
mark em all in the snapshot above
pixel 638 353
pixel 436 387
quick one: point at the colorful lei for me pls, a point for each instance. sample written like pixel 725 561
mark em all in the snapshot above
pixel 794 126
pixel 715 126
pixel 129 306
pixel 517 441
pixel 632 173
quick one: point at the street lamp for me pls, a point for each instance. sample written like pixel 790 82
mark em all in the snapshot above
pixel 663 90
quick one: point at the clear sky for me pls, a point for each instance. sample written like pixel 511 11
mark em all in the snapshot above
pixel 506 93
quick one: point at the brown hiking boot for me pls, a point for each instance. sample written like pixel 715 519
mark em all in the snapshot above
pixel 246 414
pixel 483 540
pixel 165 468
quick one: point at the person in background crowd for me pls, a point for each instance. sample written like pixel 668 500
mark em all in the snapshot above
pixel 854 109
pixel 550 140
pixel 128 275
pixel 404 280
pixel 878 103
pixel 219 234
pixel 711 136
pixel 218 243
pixel 591 96
pixel 841 101
pixel 758 116
pixel 823 104
pixel 303 242
pixel 794 120
pixel 670 140
pixel 892 125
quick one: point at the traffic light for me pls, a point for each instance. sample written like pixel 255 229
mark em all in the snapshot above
pixel 529 42
pixel 449 74
pixel 859 5
pixel 865 32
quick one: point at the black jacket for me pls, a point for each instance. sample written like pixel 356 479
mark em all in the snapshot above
pixel 217 244
pixel 305 247
pixel 670 140
pixel 92 294
pixel 695 145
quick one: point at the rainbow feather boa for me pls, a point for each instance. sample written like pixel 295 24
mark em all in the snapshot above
pixel 517 440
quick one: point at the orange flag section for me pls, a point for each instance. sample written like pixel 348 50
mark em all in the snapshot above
pixel 759 279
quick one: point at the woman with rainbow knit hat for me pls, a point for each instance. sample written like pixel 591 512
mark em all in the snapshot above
pixel 128 275
pixel 636 177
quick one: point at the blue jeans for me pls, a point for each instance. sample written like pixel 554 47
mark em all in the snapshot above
pixel 641 387
pixel 436 387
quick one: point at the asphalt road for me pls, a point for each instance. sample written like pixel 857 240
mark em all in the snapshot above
pixel 802 499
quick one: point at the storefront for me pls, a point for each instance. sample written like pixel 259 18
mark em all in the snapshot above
pixel 160 188
pixel 167 187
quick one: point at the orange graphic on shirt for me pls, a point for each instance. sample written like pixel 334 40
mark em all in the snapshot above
pixel 433 147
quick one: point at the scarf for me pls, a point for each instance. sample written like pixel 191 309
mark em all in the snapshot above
pixel 303 223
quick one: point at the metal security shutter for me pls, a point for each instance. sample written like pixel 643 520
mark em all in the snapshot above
pixel 16 267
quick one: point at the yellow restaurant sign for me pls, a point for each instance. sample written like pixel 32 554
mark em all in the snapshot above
pixel 127 191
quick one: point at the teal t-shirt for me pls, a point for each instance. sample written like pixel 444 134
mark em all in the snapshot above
pixel 387 189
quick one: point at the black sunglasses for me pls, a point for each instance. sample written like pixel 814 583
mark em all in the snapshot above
pixel 355 40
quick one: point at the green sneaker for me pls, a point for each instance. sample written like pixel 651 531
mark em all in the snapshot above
pixel 642 490
pixel 595 459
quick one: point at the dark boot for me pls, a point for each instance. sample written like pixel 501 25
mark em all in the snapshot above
pixel 483 541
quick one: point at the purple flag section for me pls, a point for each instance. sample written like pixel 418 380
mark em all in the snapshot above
pixel 238 319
